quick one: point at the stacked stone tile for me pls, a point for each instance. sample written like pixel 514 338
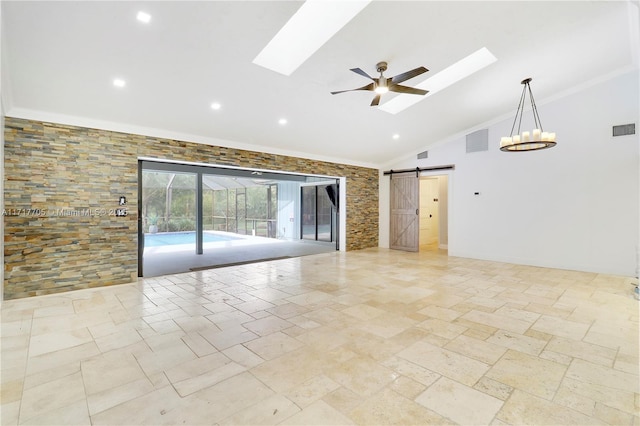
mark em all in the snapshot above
pixel 62 185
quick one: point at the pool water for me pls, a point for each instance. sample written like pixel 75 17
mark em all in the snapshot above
pixel 175 238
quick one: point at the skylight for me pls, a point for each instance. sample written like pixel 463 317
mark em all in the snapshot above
pixel 143 17
pixel 445 78
pixel 306 31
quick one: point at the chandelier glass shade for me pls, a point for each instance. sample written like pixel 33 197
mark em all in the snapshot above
pixel 526 141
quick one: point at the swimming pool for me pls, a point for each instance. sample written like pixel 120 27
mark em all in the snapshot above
pixel 176 238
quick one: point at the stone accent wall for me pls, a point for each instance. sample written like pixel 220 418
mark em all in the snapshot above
pixel 62 185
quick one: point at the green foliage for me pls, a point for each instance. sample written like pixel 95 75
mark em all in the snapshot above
pixel 224 209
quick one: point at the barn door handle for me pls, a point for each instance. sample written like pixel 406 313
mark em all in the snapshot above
pixel 416 211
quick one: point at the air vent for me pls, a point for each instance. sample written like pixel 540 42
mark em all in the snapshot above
pixel 624 129
pixel 422 155
pixel 478 141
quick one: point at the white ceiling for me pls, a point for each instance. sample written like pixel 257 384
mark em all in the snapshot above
pixel 59 60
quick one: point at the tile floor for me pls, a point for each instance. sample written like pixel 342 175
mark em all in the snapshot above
pixel 369 337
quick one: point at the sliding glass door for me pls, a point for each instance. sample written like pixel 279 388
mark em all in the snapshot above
pixel 319 212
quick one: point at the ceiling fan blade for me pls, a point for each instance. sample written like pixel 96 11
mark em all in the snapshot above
pixel 367 87
pixel 375 101
pixel 409 74
pixel 405 89
pixel 362 73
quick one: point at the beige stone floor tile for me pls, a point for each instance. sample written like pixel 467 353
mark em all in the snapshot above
pixel 322 338
pixel 561 327
pixel 198 344
pixel 300 365
pixel 487 302
pixel 444 299
pixel 196 367
pixel 528 373
pixel 312 390
pixel 226 338
pixel 460 403
pixel 358 348
pixel 231 396
pixel 582 350
pixel 108 371
pixel 574 400
pixel 387 325
pixel 363 312
pixel 389 408
pixel 9 412
pixel 207 379
pixel 343 400
pixel 480 350
pixel 612 416
pixel 524 408
pixel 51 396
pixel 55 309
pixel 37 364
pixel 164 358
pixel 189 324
pixel 11 390
pixel 447 363
pixel 361 375
pixel 243 356
pixel 517 342
pixel 498 321
pixel 303 322
pixel 52 342
pixel 597 374
pixel 112 396
pixel 407 387
pixel 267 325
pixel 556 357
pixel 444 329
pixel 319 413
pixel 493 388
pixel 572 389
pixel 288 310
pixel 273 345
pixel 124 337
pixel 440 313
pixel 368 345
pixel 72 414
pixel 311 300
pixel 629 363
pixel 150 408
pixel 270 411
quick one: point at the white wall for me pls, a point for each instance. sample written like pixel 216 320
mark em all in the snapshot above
pixel 574 206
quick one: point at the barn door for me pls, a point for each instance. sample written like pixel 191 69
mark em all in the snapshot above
pixel 405 226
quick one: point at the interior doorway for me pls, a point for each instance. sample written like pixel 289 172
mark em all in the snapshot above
pixel 433 228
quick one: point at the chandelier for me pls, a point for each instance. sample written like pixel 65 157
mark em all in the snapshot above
pixel 526 141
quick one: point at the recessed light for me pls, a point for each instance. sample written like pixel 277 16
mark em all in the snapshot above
pixel 282 121
pixel 118 82
pixel 396 136
pixel 143 17
pixel 445 78
pixel 216 106
pixel 307 30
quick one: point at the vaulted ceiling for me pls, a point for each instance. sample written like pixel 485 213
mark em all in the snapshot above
pixel 59 60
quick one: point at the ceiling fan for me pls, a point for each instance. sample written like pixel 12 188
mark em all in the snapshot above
pixel 382 85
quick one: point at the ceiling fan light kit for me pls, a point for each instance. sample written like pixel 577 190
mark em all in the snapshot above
pixel 382 84
pixel 525 141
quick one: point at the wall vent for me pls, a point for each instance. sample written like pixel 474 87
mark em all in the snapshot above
pixel 422 155
pixel 478 141
pixel 624 129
